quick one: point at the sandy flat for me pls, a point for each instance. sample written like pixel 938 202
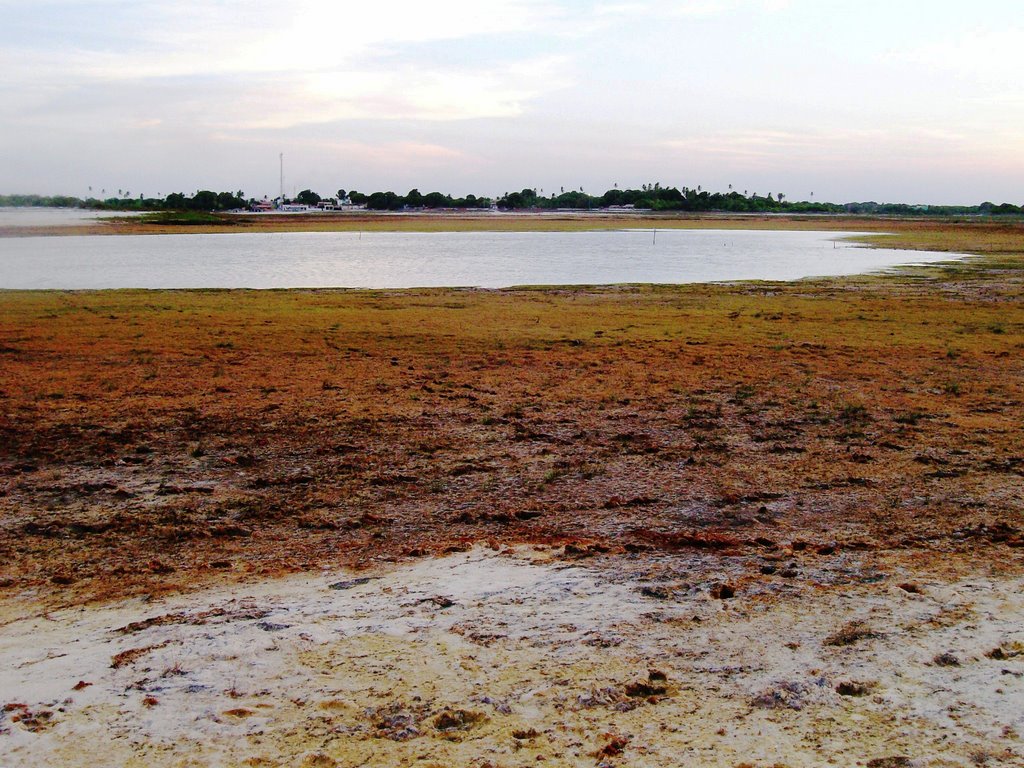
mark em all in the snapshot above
pixel 481 658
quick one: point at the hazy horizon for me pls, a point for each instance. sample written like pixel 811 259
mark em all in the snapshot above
pixel 916 102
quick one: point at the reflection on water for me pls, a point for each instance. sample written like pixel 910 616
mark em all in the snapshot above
pixel 406 260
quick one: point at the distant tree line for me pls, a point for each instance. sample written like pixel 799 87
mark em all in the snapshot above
pixel 652 197
pixel 658 198
pixel 203 200
pixel 389 201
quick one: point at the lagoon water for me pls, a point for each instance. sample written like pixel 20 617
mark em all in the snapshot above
pixel 409 260
pixel 54 217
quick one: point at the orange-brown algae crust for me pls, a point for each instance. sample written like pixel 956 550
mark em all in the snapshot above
pixel 155 440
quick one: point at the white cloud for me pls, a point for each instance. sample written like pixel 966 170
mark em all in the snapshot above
pixel 238 103
pixel 397 154
pixel 692 8
pixel 266 64
pixel 414 93
pixel 266 36
pixel 887 148
pixel 994 54
pixel 400 154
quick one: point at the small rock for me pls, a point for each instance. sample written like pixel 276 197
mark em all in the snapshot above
pixel 348 584
pixel 645 690
pixel 269 626
pixel 785 695
pixel 723 591
pixel 852 688
pixel 896 761
pixel 319 760
pixel 458 720
pixel 659 593
pixel 521 734
pixel 616 746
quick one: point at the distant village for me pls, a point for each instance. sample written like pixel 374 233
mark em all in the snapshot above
pixel 281 205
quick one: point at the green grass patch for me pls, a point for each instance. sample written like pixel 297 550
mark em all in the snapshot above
pixel 183 219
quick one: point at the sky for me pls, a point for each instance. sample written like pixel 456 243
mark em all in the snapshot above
pixel 917 101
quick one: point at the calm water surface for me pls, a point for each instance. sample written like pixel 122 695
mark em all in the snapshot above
pixel 54 217
pixel 409 260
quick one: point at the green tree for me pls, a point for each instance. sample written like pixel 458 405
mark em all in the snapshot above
pixel 436 200
pixel 229 200
pixel 384 201
pixel 204 200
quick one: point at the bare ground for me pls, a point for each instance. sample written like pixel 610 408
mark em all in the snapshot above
pixel 810 446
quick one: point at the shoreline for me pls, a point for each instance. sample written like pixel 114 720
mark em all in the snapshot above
pixel 516 222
